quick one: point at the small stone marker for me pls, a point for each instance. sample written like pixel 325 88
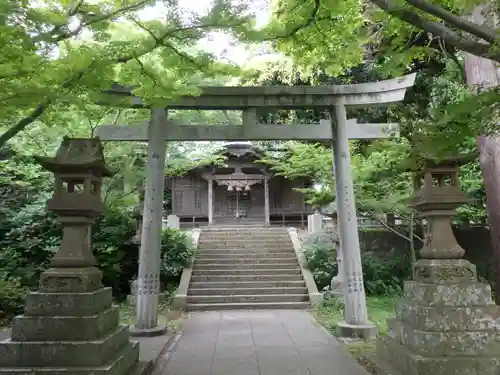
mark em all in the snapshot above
pixel 173 222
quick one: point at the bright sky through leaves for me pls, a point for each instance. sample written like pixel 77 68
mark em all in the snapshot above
pixel 218 43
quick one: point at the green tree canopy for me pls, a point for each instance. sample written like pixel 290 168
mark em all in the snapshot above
pixel 56 52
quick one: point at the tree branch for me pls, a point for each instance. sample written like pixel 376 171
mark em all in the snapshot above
pixel 45 104
pixel 388 227
pixel 479 31
pixel 52 36
pixel 439 30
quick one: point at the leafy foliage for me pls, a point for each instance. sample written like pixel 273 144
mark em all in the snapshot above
pixel 335 36
pixel 383 274
pixel 176 252
pixel 12 295
pixel 58 53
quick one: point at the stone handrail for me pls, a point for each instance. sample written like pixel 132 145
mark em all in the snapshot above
pixel 315 297
pixel 180 299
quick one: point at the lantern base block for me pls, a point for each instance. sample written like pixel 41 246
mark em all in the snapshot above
pixel 441 327
pixel 444 271
pixel 69 334
pixel 71 280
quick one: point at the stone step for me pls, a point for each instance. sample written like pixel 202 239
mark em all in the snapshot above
pixel 125 362
pixel 239 241
pixel 244 229
pixel 239 254
pixel 249 235
pixel 245 246
pixel 261 259
pixel 243 251
pixel 244 232
pixel 248 271
pixel 243 266
pixel 245 277
pixel 246 291
pixel 240 236
pixel 248 298
pixel 246 284
pixel 248 306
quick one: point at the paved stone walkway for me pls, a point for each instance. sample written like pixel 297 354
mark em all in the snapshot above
pixel 285 342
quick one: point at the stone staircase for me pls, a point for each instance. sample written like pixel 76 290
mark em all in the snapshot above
pixel 246 267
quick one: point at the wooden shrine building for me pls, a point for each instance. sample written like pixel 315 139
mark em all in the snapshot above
pixel 240 190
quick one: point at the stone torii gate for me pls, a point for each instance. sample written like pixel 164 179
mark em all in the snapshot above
pixel 338 129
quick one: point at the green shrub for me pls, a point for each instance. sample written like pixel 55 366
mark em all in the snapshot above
pixel 12 295
pixel 31 237
pixel 176 252
pixel 116 254
pixel 383 275
pixel 323 264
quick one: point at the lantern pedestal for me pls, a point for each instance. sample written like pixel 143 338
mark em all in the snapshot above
pixel 447 322
pixel 70 326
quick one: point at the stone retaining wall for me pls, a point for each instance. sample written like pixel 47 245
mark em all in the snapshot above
pixel 475 240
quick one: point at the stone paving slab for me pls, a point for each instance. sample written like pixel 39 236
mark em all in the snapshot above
pixel 4 335
pixel 279 342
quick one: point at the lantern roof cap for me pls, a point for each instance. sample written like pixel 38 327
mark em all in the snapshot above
pixel 76 155
pixel 424 161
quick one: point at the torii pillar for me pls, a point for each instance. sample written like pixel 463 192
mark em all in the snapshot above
pixel 148 278
pixel 356 323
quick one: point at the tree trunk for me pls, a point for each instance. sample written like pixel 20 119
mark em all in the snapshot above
pixel 484 74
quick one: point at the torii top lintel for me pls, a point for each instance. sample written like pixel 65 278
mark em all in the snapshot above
pixel 241 97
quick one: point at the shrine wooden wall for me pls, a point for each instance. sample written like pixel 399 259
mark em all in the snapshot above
pixel 190 198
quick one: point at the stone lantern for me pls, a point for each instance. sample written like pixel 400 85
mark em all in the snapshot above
pixel 436 198
pixel 78 168
pixel 446 323
pixel 70 325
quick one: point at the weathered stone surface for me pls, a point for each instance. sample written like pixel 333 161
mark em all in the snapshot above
pixel 68 304
pixel 452 318
pixel 404 362
pixel 470 294
pixel 443 329
pixel 63 353
pixel 450 344
pixel 444 271
pixel 124 363
pixel 77 280
pixel 57 328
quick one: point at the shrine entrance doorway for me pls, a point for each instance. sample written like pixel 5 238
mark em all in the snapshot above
pixel 239 197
